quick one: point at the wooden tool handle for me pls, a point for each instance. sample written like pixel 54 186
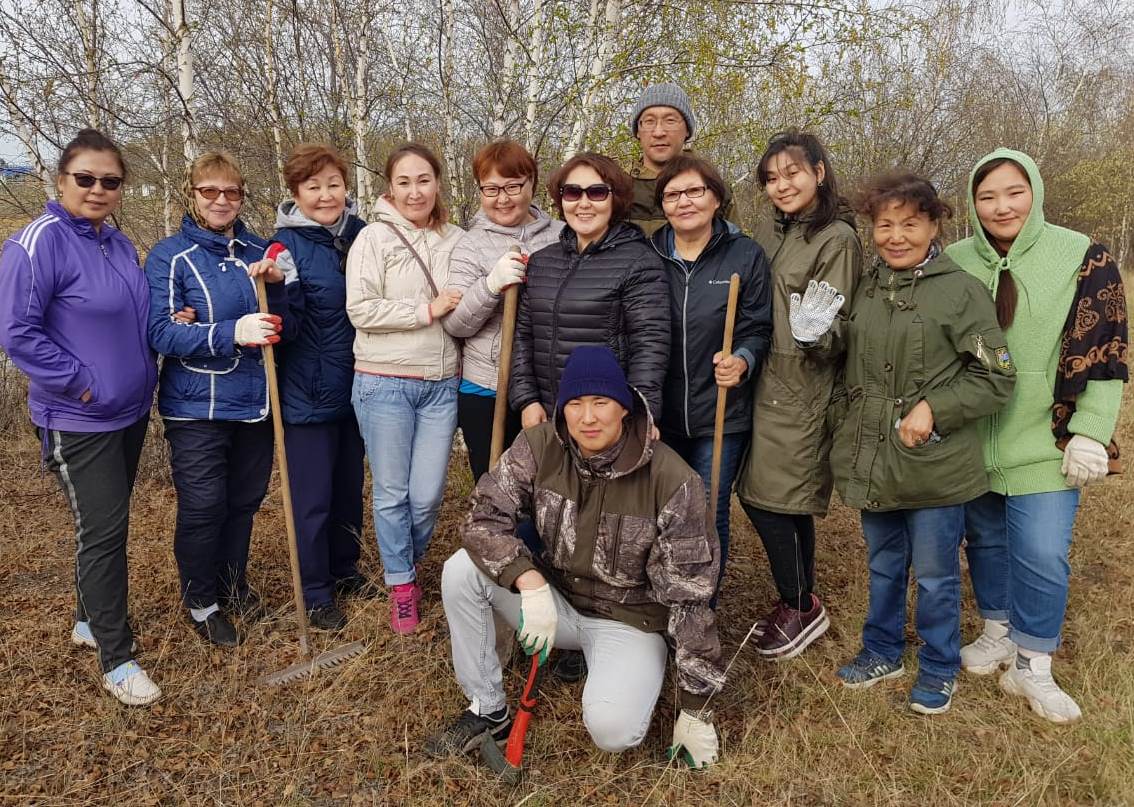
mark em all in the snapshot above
pixel 500 413
pixel 269 357
pixel 722 394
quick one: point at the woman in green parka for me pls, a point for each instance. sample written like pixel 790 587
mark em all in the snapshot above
pixel 925 361
pixel 786 479
pixel 1061 302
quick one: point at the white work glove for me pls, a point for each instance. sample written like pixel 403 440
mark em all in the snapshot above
pixel 694 740
pixel 538 619
pixel 1084 461
pixel 508 271
pixel 811 316
pixel 257 329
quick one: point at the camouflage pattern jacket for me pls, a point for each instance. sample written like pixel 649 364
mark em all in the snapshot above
pixel 626 535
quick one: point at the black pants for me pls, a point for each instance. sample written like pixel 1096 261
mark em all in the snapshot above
pixel 96 471
pixel 325 468
pixel 474 416
pixel 220 470
pixel 789 540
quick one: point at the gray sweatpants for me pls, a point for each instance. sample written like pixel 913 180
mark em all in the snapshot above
pixel 625 666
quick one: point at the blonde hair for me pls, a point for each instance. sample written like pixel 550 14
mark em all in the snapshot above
pixel 209 163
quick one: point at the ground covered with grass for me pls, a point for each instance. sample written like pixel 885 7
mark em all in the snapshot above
pixel 790 733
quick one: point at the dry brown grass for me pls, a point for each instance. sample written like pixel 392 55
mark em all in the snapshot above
pixel 790 734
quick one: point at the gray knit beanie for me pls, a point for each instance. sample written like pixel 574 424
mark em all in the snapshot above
pixel 664 95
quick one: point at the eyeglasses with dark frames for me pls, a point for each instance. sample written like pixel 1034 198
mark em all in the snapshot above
pixel 509 188
pixel 573 193
pixel 696 192
pixel 211 193
pixel 88 180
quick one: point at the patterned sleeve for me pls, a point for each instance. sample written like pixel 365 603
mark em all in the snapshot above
pixel 683 568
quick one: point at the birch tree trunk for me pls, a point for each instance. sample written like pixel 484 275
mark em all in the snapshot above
pixel 446 77
pixel 603 44
pixel 364 189
pixel 183 54
pixel 531 80
pixel 25 133
pixel 274 111
pixel 88 34
pixel 511 14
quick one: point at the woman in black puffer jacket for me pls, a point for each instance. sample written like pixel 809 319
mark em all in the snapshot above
pixel 600 284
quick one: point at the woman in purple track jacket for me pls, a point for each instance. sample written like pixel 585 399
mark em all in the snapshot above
pixel 73 309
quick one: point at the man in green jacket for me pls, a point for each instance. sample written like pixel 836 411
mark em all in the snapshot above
pixel 628 554
pixel 663 122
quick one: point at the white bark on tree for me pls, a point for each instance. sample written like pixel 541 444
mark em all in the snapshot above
pixel 449 146
pixel 511 14
pixel 183 54
pixel 274 111
pixel 602 45
pixel 89 35
pixel 25 133
pixel 531 80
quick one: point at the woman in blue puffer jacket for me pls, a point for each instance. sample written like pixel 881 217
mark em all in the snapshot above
pixel 213 394
pixel 315 229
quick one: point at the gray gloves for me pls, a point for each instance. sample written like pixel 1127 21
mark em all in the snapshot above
pixel 811 316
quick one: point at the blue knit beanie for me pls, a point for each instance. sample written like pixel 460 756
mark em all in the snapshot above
pixel 664 95
pixel 593 370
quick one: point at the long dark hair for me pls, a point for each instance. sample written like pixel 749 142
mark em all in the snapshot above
pixel 806 146
pixel 89 140
pixel 1007 295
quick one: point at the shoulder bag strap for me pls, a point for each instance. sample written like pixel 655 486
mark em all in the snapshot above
pixel 420 262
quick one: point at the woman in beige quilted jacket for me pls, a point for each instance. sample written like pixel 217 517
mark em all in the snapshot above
pixel 406 365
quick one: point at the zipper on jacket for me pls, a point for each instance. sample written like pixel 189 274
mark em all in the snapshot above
pixel 612 564
pixel 133 299
pixel 553 376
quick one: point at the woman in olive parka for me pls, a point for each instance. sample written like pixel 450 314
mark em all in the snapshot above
pixel 926 360
pixel 786 479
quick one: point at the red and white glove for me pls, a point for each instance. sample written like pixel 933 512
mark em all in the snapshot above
pixel 254 330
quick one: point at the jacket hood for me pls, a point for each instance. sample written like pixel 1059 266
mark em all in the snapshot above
pixel 633 450
pixel 902 285
pixel 620 232
pixel 1033 227
pixel 217 243
pixel 288 216
pixel 481 221
pixel 385 211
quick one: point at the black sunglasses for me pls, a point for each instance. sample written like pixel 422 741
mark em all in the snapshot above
pixel 210 193
pixel 573 193
pixel 88 181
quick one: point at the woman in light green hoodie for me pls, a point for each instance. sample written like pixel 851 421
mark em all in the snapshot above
pixel 1060 301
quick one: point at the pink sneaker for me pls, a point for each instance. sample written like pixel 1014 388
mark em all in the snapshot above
pixel 403 608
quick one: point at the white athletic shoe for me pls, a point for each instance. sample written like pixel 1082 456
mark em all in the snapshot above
pixel 1044 695
pixel 81 636
pixel 133 687
pixel 991 651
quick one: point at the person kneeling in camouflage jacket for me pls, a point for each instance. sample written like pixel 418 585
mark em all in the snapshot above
pixel 628 553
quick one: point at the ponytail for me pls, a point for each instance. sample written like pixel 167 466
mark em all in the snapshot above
pixel 1006 297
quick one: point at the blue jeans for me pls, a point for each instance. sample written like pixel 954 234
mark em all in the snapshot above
pixel 930 539
pixel 698 454
pixel 408 426
pixel 1017 548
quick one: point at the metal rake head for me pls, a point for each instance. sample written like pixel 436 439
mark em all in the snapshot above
pixel 308 667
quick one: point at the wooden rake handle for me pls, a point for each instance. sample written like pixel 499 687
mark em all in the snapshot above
pixel 504 374
pixel 722 394
pixel 269 356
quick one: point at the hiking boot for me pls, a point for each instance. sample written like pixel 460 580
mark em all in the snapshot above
pixel 81 636
pixel 129 683
pixel 247 606
pixel 403 608
pixel 466 733
pixel 326 617
pixel 991 651
pixel 569 666
pixel 217 629
pixel 867 669
pixel 357 586
pixel 1035 683
pixel 931 695
pixel 790 631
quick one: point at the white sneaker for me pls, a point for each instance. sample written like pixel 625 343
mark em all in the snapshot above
pixel 81 636
pixel 991 651
pixel 133 687
pixel 1044 695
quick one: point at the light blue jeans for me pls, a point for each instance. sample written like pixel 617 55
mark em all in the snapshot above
pixel 1018 548
pixel 408 427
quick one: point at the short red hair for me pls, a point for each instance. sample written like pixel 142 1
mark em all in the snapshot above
pixel 508 158
pixel 307 160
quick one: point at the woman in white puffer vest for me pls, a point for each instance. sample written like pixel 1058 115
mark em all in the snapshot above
pixel 406 365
